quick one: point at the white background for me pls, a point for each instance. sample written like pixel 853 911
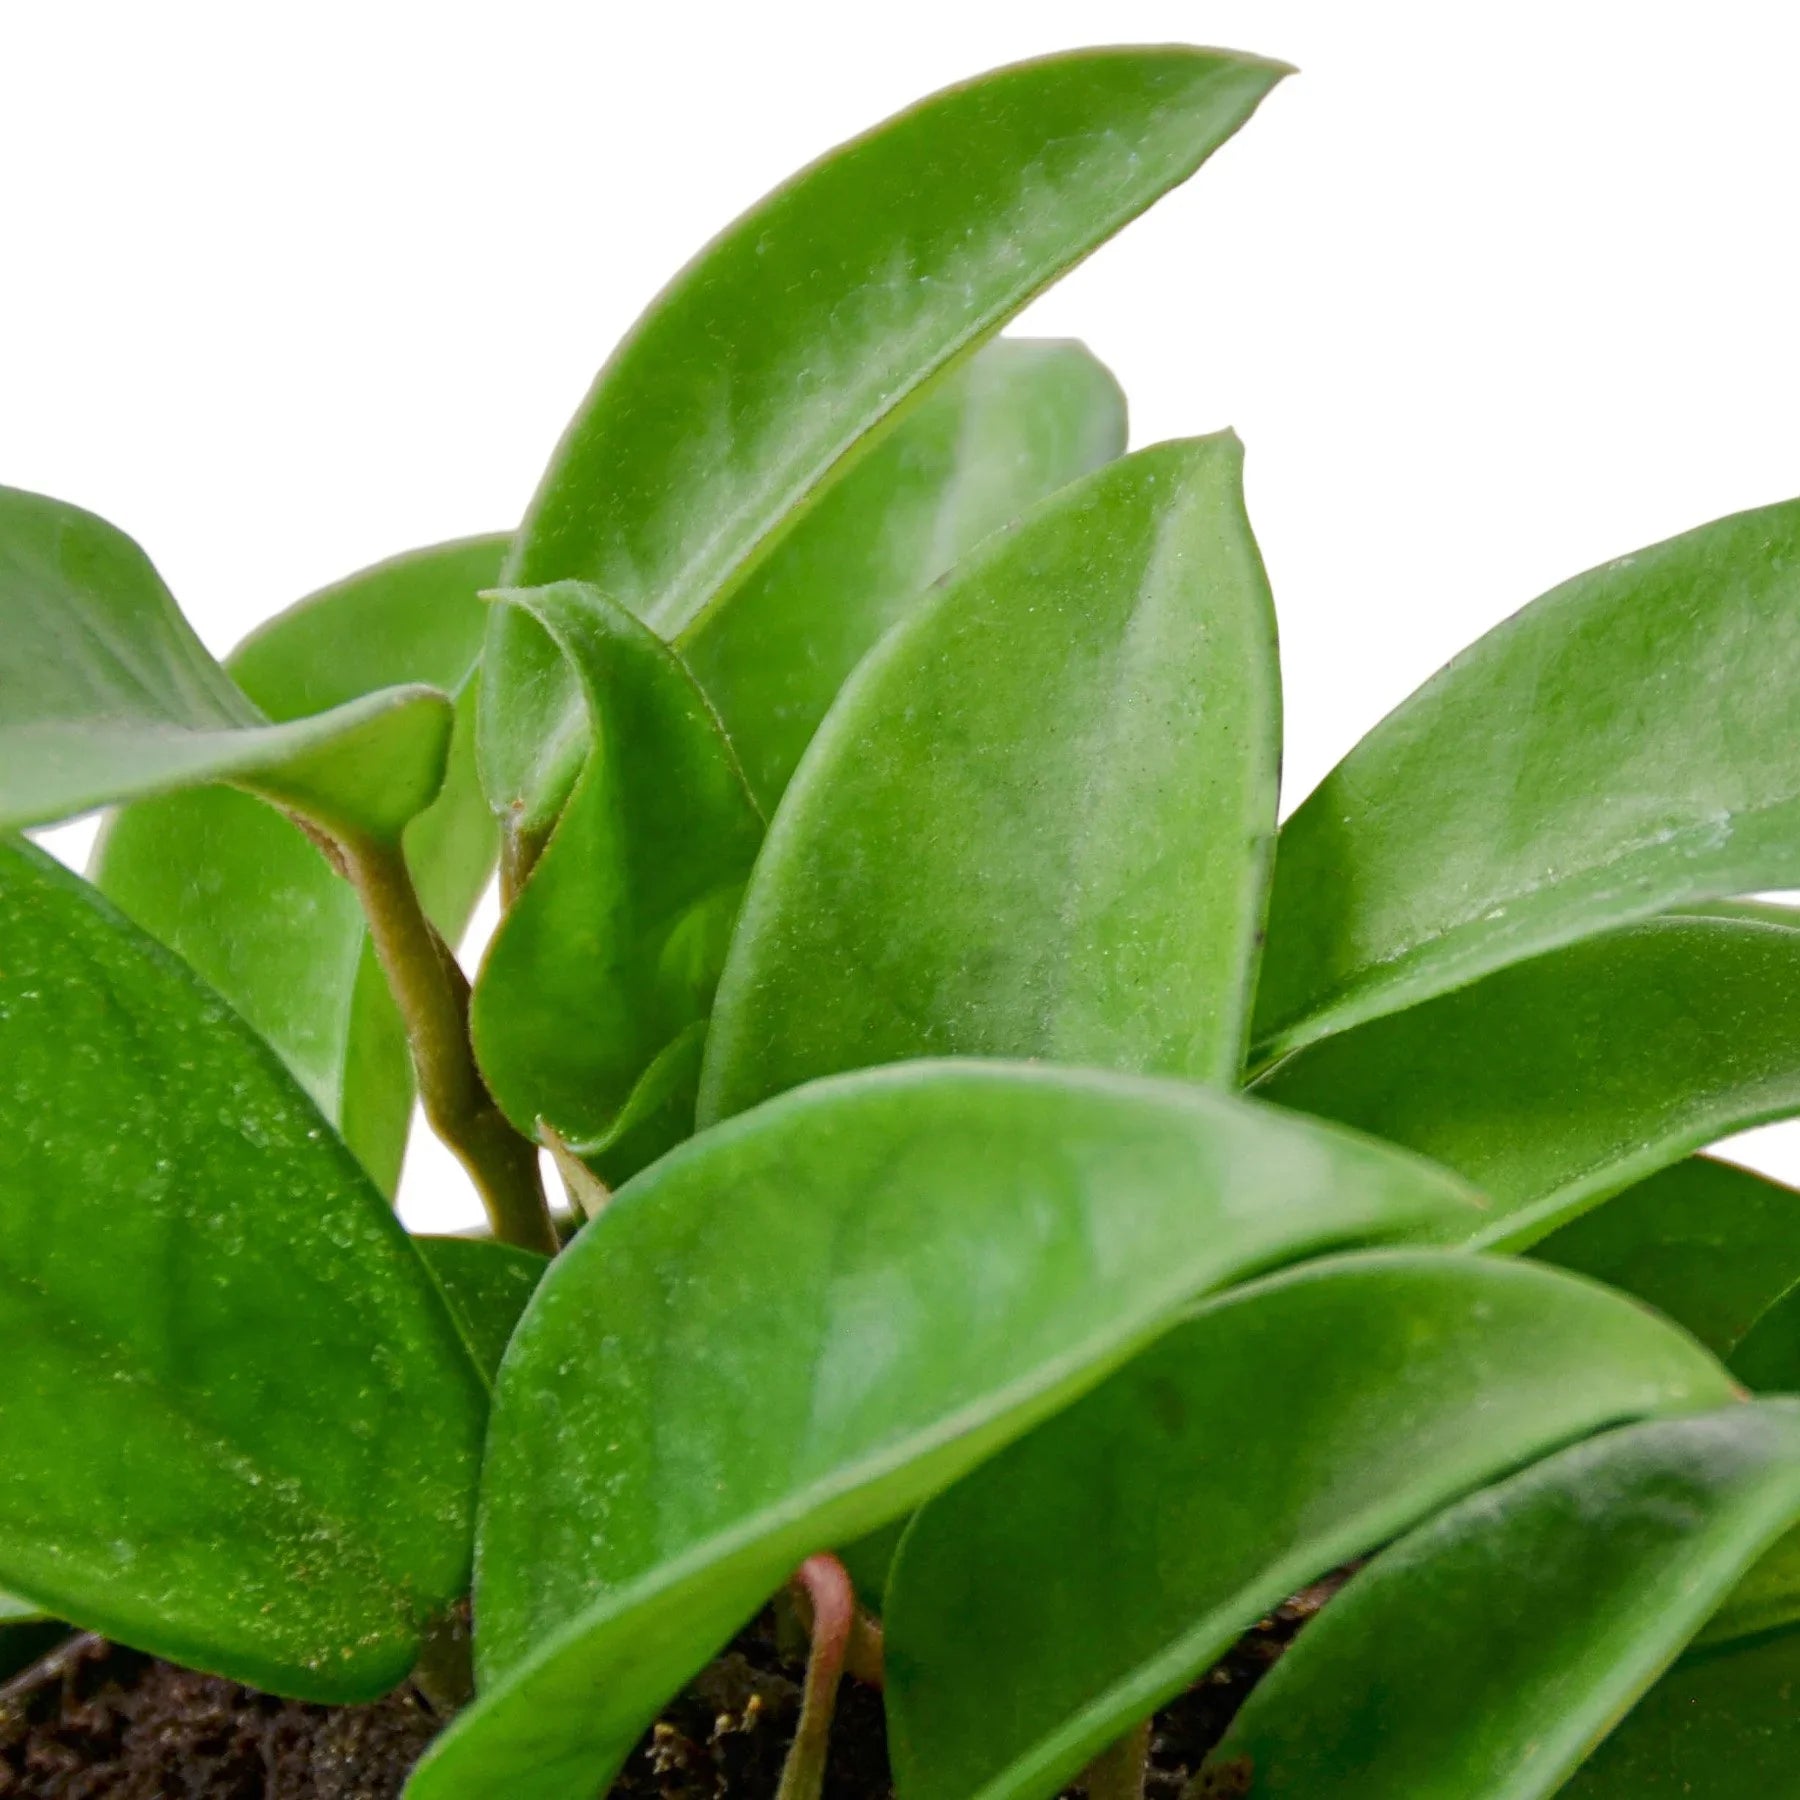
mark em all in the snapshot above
pixel 1492 292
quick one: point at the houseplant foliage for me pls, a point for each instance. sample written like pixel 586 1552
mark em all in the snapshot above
pixel 995 1154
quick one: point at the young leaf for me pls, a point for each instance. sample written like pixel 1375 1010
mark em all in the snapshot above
pixel 1019 421
pixel 589 1005
pixel 1718 1726
pixel 1485 1653
pixel 253 1429
pixel 486 1285
pixel 1622 746
pixel 1557 1083
pixel 244 896
pixel 756 377
pixel 801 1324
pixel 1091 1571
pixel 1037 821
pixel 105 694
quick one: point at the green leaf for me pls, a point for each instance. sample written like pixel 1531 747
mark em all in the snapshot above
pixel 1067 1588
pixel 1487 1652
pixel 1564 1080
pixel 774 358
pixel 253 1428
pixel 105 694
pixel 1622 746
pixel 486 1285
pixel 594 991
pixel 1718 1726
pixel 14 1611
pixel 1037 821
pixel 1022 419
pixel 803 1323
pixel 244 896
pixel 1710 1245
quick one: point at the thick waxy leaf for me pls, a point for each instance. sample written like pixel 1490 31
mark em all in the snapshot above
pixel 1037 822
pixel 1622 746
pixel 803 1323
pixel 590 1004
pixel 487 1285
pixel 1091 1571
pixel 1721 1725
pixel 1019 421
pixel 1484 1654
pixel 252 1427
pixel 757 376
pixel 1559 1082
pixel 245 897
pixel 105 694
pixel 14 1611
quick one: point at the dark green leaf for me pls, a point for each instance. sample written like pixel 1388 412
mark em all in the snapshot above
pixel 245 897
pixel 1622 746
pixel 804 1322
pixel 1090 1572
pixel 1485 1654
pixel 1564 1080
pixel 253 1429
pixel 105 694
pixel 487 1285
pixel 772 360
pixel 589 1006
pixel 1037 822
pixel 1021 420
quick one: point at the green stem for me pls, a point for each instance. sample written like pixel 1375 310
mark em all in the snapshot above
pixel 433 997
pixel 825 1583
pixel 1117 1773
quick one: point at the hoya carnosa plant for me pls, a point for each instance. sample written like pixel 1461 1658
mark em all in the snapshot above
pixel 1004 1169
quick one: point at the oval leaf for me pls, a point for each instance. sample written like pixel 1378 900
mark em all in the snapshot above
pixel 1037 822
pixel 244 896
pixel 261 1460
pixel 804 1322
pixel 622 926
pixel 1621 746
pixel 1020 421
pixel 769 362
pixel 1486 1653
pixel 486 1285
pixel 1557 1083
pixel 106 694
pixel 1087 1574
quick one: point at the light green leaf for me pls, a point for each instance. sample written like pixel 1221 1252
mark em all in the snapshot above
pixel 1087 1574
pixel 14 1611
pixel 253 1428
pixel 1022 419
pixel 1037 821
pixel 1564 1080
pixel 105 694
pixel 243 895
pixel 590 1002
pixel 1622 746
pixel 804 1322
pixel 775 357
pixel 1484 1655
pixel 486 1285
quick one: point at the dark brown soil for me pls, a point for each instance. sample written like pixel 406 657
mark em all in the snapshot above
pixel 92 1721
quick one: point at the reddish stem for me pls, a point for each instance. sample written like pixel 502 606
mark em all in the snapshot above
pixel 825 1585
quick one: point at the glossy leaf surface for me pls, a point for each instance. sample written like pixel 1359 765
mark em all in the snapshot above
pixel 244 896
pixel 486 1285
pixel 804 1322
pixel 106 694
pixel 1557 1083
pixel 1022 419
pixel 770 362
pixel 1038 820
pixel 1622 746
pixel 592 995
pixel 253 1428
pixel 1486 1653
pixel 1091 1571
